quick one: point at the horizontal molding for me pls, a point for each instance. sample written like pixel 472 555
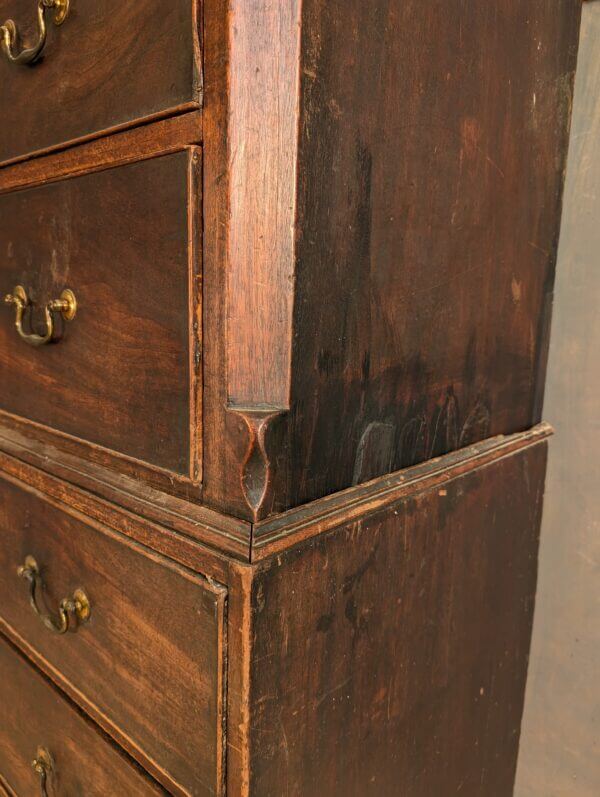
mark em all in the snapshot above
pixel 272 536
pixel 206 540
pixel 80 450
pixel 139 143
pixel 191 534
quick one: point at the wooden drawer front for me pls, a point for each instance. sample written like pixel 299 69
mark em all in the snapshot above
pixel 34 716
pixel 121 373
pixel 148 663
pixel 110 64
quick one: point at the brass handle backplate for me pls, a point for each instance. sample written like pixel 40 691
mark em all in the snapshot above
pixel 66 305
pixel 43 765
pixel 72 612
pixel 9 35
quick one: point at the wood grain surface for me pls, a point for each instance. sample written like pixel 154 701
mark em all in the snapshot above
pixel 149 664
pixel 425 197
pixel 128 146
pixel 84 761
pixel 263 106
pixel 389 656
pixel 191 534
pixel 109 65
pixel 432 151
pixel 124 375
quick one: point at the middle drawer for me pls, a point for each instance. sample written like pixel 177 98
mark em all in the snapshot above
pixel 144 640
pixel 124 373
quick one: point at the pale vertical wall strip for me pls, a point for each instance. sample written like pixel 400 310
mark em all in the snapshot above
pixel 560 743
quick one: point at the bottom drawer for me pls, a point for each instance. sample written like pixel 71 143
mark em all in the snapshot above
pixel 37 723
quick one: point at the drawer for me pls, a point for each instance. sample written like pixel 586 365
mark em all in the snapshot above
pixel 124 373
pixel 110 64
pixel 36 723
pixel 147 660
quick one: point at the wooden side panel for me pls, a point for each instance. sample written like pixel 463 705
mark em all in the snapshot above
pixel 425 197
pixel 433 142
pixel 389 657
pixel 109 65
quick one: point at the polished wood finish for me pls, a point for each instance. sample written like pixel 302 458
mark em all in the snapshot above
pixel 129 146
pixel 108 66
pixel 291 444
pixel 279 533
pixel 262 129
pixel 309 388
pixel 457 517
pixel 193 535
pixel 124 375
pixel 154 628
pixel 425 194
pixel 84 761
pixel 389 656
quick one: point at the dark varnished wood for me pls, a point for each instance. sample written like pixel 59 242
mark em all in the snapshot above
pixel 186 533
pixel 129 146
pixel 295 526
pixel 262 129
pixel 191 534
pixel 359 315
pixel 149 664
pixel 425 194
pixel 109 65
pixel 389 656
pixel 125 375
pixel 287 446
pixel 33 714
pixel 448 151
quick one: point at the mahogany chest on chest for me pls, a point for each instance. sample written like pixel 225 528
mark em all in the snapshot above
pixel 278 282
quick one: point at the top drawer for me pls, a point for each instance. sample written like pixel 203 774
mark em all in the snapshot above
pixel 110 64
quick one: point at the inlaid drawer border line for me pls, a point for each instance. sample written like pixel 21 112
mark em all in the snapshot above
pixel 188 481
pixel 99 718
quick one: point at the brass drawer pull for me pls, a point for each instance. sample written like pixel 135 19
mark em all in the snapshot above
pixel 42 764
pixel 66 306
pixel 9 34
pixel 72 611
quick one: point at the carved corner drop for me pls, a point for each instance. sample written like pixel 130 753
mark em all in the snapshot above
pixel 257 468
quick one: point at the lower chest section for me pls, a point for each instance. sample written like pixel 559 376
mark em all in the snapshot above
pixel 377 645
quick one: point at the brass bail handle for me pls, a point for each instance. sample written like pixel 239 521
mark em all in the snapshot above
pixel 9 35
pixel 66 305
pixel 72 612
pixel 43 765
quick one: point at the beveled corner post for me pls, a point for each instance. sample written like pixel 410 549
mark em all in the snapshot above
pixel 251 174
pixel 377 282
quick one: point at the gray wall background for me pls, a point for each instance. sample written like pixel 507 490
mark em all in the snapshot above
pixel 560 741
